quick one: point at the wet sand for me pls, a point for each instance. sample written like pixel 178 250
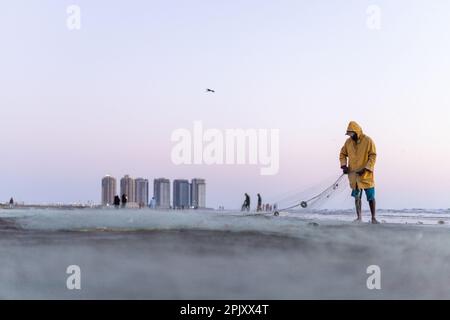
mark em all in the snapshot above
pixel 324 261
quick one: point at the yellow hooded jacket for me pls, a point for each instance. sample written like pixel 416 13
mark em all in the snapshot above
pixel 359 155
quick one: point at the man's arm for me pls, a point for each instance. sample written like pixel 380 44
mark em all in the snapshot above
pixel 343 156
pixel 343 159
pixel 372 151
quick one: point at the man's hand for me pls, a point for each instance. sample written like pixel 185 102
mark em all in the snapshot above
pixel 361 172
pixel 344 169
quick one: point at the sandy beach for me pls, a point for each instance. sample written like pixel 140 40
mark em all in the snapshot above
pixel 142 254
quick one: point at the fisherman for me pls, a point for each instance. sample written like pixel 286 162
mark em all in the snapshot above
pixel 357 157
pixel 124 200
pixel 259 207
pixel 11 202
pixel 116 201
pixel 246 205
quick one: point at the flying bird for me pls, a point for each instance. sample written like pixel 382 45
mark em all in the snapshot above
pixel 210 90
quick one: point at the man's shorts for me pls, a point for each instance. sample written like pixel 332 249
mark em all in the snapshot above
pixel 370 193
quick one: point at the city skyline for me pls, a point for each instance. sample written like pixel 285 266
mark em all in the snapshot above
pixel 181 194
pixel 128 188
pixel 142 192
pixel 161 193
pixel 109 185
pixel 198 193
pixel 185 194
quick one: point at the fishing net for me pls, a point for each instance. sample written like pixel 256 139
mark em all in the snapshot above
pixel 313 198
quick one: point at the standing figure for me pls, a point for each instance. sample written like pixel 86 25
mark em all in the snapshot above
pixel 246 205
pixel 152 204
pixel 124 200
pixel 357 157
pixel 116 201
pixel 259 206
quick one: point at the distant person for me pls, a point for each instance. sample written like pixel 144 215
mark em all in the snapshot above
pixel 152 204
pixel 259 206
pixel 116 201
pixel 124 200
pixel 11 202
pixel 246 205
pixel 357 157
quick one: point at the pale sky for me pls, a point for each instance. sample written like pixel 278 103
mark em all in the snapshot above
pixel 76 105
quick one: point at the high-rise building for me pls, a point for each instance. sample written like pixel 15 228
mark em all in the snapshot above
pixel 141 190
pixel 108 190
pixel 198 193
pixel 181 197
pixel 127 187
pixel 161 192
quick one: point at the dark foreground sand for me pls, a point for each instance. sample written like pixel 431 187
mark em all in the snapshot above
pixel 321 262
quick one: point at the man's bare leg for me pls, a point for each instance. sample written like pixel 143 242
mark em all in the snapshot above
pixel 358 209
pixel 373 210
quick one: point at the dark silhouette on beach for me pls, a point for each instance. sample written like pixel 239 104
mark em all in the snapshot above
pixel 124 200
pixel 246 204
pixel 116 201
